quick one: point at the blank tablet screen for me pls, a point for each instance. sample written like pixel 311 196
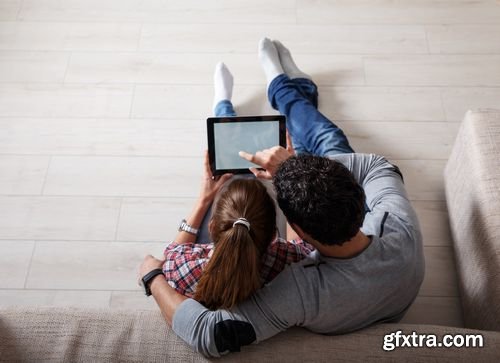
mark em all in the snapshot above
pixel 232 135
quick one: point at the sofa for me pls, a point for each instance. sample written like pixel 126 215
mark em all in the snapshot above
pixel 76 335
pixel 472 185
pixel 472 180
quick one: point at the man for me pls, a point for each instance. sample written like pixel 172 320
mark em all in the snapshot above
pixel 368 264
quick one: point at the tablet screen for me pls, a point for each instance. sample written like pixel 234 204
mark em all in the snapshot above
pixel 229 136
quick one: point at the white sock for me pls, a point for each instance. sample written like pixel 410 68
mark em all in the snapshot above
pixel 288 63
pixel 269 59
pixel 223 83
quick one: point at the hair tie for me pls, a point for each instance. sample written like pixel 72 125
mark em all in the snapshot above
pixel 242 221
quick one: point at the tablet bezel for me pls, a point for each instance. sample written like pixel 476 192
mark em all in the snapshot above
pixel 210 136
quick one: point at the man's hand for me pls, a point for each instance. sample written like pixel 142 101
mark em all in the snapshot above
pixel 165 296
pixel 269 159
pixel 210 185
pixel 149 264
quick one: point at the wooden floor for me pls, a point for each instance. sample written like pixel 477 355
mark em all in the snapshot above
pixel 102 108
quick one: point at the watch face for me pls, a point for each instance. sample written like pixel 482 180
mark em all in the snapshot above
pixel 187 228
pixel 182 225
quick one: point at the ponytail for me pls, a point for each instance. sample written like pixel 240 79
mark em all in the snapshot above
pixel 242 226
pixel 232 273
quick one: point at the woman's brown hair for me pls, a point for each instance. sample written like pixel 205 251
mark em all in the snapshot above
pixel 232 273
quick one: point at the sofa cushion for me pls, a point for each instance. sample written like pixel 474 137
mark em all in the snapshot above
pixel 93 335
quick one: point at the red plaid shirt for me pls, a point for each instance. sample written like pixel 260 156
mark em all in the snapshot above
pixel 185 261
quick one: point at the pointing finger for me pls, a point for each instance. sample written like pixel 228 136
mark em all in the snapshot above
pixel 246 156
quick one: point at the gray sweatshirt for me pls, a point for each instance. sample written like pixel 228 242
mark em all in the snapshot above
pixel 324 294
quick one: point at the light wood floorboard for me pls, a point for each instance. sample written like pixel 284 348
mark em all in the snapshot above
pixel 75 266
pixel 64 218
pixel 433 218
pixel 464 39
pixel 123 176
pixel 382 103
pixel 397 12
pixel 15 256
pixel 33 66
pixel 22 174
pixel 64 100
pixel 63 298
pixel 151 219
pixel 456 101
pixel 57 36
pixel 433 70
pixel 101 137
pixel 9 9
pixel 195 68
pixel 166 11
pixel 308 39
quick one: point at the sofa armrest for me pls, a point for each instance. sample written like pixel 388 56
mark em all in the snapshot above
pixel 472 184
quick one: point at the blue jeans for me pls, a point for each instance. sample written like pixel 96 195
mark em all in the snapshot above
pixel 224 108
pixel 310 130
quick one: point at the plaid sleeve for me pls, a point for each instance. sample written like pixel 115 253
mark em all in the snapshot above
pixel 184 263
pixel 281 253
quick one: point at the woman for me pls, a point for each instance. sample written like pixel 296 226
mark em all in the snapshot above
pixel 246 252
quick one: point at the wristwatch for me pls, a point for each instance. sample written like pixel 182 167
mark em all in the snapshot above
pixel 187 228
pixel 148 278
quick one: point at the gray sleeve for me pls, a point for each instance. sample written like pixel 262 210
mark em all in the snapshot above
pixel 195 324
pixel 382 182
pixel 272 309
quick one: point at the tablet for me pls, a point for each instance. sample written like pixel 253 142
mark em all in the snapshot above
pixel 227 136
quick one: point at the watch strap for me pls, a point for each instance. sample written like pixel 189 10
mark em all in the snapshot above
pixel 184 226
pixel 148 278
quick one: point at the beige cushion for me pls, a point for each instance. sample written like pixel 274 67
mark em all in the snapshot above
pixel 71 335
pixel 472 181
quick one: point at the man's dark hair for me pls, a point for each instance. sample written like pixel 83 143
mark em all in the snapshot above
pixel 321 196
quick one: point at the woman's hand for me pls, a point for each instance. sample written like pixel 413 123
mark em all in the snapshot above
pixel 210 185
pixel 209 188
